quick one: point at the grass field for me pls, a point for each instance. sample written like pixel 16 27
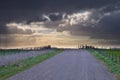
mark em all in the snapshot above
pixel 105 55
pixel 113 54
pixel 7 71
pixel 110 51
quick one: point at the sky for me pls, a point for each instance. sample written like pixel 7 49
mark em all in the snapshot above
pixel 60 23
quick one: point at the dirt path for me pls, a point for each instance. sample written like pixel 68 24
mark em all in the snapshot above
pixel 69 65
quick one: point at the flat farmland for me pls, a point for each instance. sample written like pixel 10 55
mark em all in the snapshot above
pixel 14 56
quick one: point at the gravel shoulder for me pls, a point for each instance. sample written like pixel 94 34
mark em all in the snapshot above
pixel 68 65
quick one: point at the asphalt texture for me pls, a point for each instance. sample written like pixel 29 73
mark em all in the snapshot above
pixel 68 65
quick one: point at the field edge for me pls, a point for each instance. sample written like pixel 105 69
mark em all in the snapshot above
pixel 113 67
pixel 10 70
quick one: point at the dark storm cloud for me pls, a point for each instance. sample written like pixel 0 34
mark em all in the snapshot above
pixel 112 23
pixel 47 17
pixel 3 29
pixel 108 27
pixel 109 42
pixel 15 30
pixel 18 16
pixel 19 10
pixel 54 4
pixel 103 23
pixel 55 17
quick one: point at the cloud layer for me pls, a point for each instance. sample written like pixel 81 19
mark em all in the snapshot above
pixel 96 19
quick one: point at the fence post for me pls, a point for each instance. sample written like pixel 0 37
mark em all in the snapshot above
pixel 119 59
pixel 108 55
pixel 104 54
pixel 115 58
pixel 112 56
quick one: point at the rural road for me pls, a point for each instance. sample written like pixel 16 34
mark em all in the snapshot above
pixel 68 65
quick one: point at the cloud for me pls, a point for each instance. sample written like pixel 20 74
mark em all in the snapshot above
pixel 91 23
pixel 24 28
pixel 55 16
pixel 109 25
pixel 76 18
pixel 55 5
pixel 96 19
pixel 3 29
pixel 14 29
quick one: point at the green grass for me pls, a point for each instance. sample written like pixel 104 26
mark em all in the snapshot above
pixel 10 70
pixel 110 51
pixel 112 65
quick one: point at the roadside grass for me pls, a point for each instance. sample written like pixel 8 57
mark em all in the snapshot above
pixel 112 65
pixel 110 51
pixel 10 70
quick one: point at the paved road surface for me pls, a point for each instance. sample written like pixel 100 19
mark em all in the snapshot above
pixel 69 65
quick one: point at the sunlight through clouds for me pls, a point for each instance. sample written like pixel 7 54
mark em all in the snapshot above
pixel 80 17
pixel 61 23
